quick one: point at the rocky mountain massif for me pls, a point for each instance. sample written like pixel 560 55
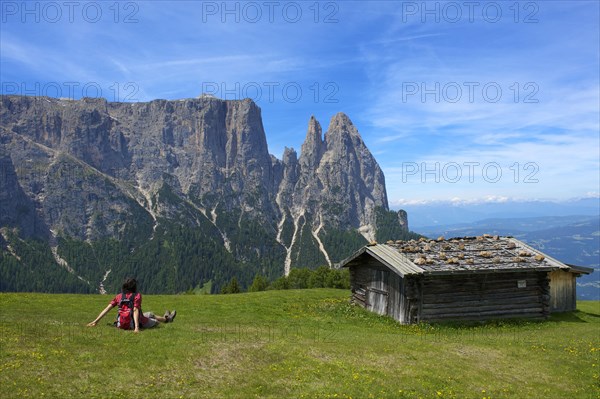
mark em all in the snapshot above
pixel 178 193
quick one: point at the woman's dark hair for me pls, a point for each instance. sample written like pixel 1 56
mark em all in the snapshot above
pixel 130 285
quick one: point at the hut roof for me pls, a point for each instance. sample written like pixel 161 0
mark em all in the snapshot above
pixel 580 269
pixel 458 255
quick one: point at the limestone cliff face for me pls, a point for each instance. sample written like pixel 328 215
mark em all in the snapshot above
pixel 16 208
pixel 339 182
pixel 353 169
pixel 87 169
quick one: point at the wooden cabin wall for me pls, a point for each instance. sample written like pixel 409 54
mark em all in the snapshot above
pixel 359 280
pixel 379 290
pixel 563 287
pixel 370 288
pixel 398 304
pixel 484 296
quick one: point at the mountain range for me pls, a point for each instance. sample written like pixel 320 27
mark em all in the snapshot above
pixel 429 214
pixel 178 193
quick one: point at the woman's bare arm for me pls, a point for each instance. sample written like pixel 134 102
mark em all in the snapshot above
pixel 136 319
pixel 100 316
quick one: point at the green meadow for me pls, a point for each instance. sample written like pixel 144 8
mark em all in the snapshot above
pixel 287 344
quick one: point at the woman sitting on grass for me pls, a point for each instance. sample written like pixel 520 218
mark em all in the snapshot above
pixel 130 301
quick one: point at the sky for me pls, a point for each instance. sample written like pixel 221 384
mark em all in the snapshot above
pixel 486 101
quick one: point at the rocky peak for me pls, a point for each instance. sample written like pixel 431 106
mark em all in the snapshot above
pixel 290 156
pixel 340 125
pixel 349 167
pixel 313 146
pixel 290 165
pixel 336 180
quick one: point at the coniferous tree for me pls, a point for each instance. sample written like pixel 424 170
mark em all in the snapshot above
pixel 232 288
pixel 260 283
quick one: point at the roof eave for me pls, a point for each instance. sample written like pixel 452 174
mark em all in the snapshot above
pixel 393 267
pixel 490 271
pixel 580 269
pixel 369 250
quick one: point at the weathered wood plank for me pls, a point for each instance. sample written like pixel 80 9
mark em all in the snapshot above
pixel 378 291
pixel 479 304
pixel 562 291
pixel 473 290
pixel 449 287
pixel 531 291
pixel 529 316
pixel 483 277
pixel 359 301
pixel 488 312
pixel 486 276
pixel 480 309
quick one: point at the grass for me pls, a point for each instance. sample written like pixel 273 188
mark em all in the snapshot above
pixel 287 344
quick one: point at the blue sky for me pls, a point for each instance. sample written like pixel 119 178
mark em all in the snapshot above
pixel 480 101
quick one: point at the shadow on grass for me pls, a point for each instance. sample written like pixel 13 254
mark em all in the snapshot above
pixel 576 316
pixel 570 317
pixel 589 314
pixel 492 323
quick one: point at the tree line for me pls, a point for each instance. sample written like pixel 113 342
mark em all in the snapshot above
pixel 179 257
pixel 298 278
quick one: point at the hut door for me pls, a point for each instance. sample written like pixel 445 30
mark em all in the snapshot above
pixel 562 291
pixel 377 292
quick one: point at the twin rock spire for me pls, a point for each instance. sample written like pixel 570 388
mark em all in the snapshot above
pixel 334 172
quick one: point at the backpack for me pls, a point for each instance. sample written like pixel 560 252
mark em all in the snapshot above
pixel 125 313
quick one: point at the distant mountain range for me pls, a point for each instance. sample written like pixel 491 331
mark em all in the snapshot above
pixel 570 239
pixel 177 193
pixel 444 213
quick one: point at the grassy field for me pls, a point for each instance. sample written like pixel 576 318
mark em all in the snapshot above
pixel 287 344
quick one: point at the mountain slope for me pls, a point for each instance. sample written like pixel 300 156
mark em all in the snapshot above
pixel 179 192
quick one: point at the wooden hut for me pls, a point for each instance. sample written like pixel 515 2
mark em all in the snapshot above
pixel 470 278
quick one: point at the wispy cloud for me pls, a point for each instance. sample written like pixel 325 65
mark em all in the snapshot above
pixel 44 62
pixel 376 54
